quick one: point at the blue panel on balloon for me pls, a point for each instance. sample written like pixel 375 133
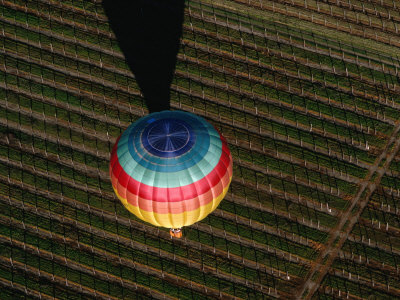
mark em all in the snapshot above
pixel 168 137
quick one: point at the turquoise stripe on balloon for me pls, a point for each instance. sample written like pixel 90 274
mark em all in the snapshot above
pixel 192 166
pixel 175 179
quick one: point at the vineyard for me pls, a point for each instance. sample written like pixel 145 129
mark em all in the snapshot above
pixel 307 94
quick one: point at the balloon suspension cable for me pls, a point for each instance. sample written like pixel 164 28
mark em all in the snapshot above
pixel 176 232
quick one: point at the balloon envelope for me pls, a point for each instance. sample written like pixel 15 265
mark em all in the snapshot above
pixel 171 168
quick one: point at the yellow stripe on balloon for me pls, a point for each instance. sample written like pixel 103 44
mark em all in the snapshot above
pixel 175 220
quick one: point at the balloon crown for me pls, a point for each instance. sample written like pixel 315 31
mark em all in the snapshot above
pixel 168 137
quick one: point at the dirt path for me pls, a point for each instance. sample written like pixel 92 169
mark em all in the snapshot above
pixel 348 219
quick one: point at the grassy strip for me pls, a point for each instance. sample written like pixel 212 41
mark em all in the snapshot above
pixel 272 145
pixel 260 17
pixel 371 252
pixel 395 166
pixel 89 6
pixel 41 285
pixel 56 149
pixel 262 237
pixel 57 12
pixel 56 130
pixel 275 221
pixel 275 202
pixel 290 206
pixel 270 125
pixel 348 99
pixel 7 293
pixel 299 39
pixel 59 76
pixel 377 236
pixel 153 261
pixel 266 162
pixel 28 159
pixel 61 114
pixel 50 42
pixel 385 200
pixel 90 281
pixel 390 181
pixel 84 103
pixel 377 215
pixel 353 287
pixel 366 272
pixel 58 27
pixel 289 186
pixel 349 14
pixel 103 265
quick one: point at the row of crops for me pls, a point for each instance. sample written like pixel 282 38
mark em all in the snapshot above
pixel 307 118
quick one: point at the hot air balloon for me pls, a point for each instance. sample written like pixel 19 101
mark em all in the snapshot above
pixel 171 169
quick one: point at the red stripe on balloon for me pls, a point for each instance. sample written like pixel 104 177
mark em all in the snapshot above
pixel 123 182
pixel 181 206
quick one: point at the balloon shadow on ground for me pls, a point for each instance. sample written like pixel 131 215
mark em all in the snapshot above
pixel 148 33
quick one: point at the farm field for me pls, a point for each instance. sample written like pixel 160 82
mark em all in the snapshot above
pixel 307 94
